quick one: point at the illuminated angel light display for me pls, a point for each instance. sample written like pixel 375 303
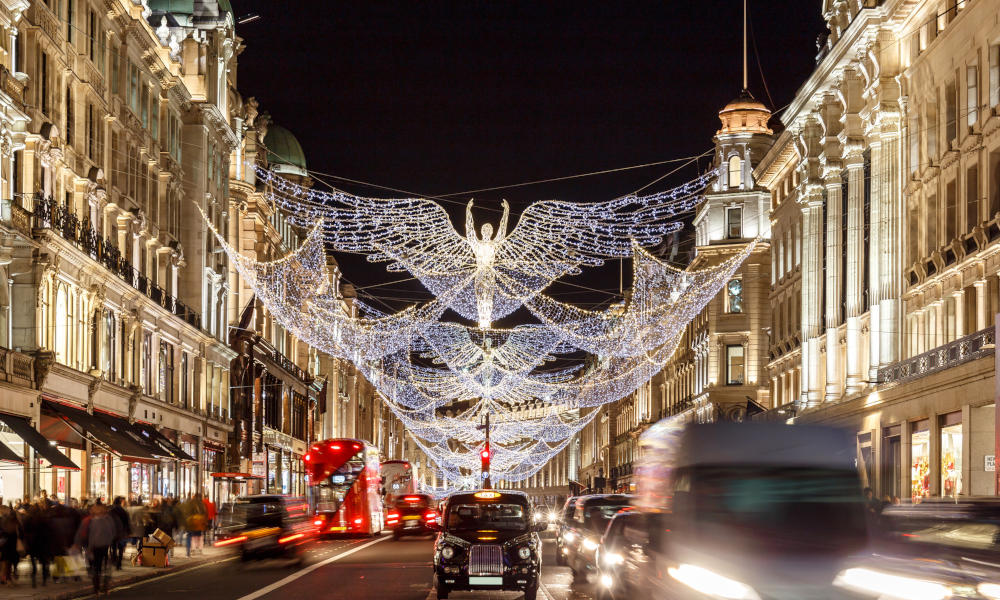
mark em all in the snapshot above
pixel 441 378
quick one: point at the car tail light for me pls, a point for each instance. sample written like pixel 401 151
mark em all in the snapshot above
pixel 358 521
pixel 290 538
pixel 230 541
pixel 430 516
pixel 318 522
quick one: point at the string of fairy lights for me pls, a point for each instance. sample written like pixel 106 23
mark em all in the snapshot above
pixel 441 377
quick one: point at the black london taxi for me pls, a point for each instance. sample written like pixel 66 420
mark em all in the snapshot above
pixel 487 541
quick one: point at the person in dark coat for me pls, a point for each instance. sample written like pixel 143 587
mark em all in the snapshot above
pixel 10 533
pixel 39 539
pixel 65 523
pixel 118 548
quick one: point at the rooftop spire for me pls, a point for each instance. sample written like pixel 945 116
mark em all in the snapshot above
pixel 744 44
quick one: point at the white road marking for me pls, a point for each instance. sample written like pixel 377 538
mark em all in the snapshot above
pixel 302 573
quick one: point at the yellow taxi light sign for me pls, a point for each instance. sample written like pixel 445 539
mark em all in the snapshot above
pixel 487 495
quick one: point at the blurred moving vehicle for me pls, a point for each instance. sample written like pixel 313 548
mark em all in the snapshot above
pixel 935 549
pixel 265 526
pixel 345 487
pixel 589 521
pixel 488 542
pixel 562 527
pixel 626 529
pixel 755 510
pixel 412 514
pixel 397 480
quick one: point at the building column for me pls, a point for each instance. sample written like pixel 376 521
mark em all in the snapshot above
pixel 921 331
pixel 958 299
pixel 981 316
pixel 833 281
pixel 853 278
pixel 875 250
pixel 891 250
pixel 941 323
pixel 812 288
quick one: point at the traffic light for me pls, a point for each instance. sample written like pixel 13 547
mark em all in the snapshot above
pixel 485 455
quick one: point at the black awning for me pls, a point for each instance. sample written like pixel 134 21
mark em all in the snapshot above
pixel 30 435
pixel 149 434
pixel 111 432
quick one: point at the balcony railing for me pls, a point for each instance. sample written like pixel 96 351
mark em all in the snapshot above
pixel 977 345
pixel 49 214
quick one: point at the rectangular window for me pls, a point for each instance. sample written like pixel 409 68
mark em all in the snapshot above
pixel 993 177
pixel 91 133
pixel 972 95
pixel 185 387
pixel 115 71
pixel 734 296
pixel 102 50
pixel 133 88
pixel 144 103
pixel 167 373
pixel 951 212
pixel 91 36
pixel 69 116
pixel 44 87
pixel 110 346
pixel 914 137
pixel 147 364
pixel 734 222
pixel 69 21
pixel 995 75
pixel 931 127
pixel 154 120
pixel 951 112
pixel 971 197
pixel 734 365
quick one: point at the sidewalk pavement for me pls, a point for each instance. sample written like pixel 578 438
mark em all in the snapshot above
pixel 66 589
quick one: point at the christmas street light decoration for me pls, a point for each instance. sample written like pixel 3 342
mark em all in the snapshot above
pixel 424 367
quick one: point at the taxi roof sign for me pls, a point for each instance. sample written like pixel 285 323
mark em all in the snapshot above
pixel 487 495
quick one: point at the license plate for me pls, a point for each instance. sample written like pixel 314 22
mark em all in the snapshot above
pixel 261 542
pixel 411 524
pixel 411 518
pixel 485 580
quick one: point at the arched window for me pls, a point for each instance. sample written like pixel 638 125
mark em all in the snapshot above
pixel 735 171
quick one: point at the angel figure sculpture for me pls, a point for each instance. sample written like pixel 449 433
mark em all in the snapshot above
pixel 485 251
pixel 486 276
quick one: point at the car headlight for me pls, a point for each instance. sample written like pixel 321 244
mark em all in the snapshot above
pixel 990 590
pixel 589 544
pixel 612 559
pixel 607 581
pixel 712 584
pixel 524 552
pixel 553 517
pixel 447 552
pixel 568 537
pixel 893 586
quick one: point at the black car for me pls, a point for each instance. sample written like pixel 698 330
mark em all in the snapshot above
pixel 617 542
pixel 487 541
pixel 945 547
pixel 266 526
pixel 412 514
pixel 562 526
pixel 584 530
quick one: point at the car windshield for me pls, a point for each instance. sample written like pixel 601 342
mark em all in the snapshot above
pixel 596 516
pixel 256 512
pixel 501 517
pixel 775 509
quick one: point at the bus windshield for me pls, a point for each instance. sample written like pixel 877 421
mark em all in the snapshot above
pixel 330 493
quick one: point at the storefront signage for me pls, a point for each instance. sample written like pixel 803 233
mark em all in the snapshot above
pixel 991 463
pixel 259 466
pixel 276 438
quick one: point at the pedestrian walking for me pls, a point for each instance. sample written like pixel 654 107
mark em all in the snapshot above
pixel 10 535
pixel 125 528
pixel 195 521
pixel 96 535
pixel 211 514
pixel 39 539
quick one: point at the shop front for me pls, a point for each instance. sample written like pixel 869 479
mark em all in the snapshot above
pixel 283 468
pixel 25 454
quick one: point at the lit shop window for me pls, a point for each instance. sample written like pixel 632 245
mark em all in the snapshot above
pixel 735 171
pixel 951 455
pixel 920 467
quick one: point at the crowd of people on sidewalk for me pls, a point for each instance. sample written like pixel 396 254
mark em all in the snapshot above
pixel 61 539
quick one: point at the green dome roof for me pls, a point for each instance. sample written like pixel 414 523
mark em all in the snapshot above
pixel 283 149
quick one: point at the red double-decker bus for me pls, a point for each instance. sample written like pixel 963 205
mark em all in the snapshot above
pixel 345 486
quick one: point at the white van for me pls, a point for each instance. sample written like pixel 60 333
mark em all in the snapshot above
pixel 746 511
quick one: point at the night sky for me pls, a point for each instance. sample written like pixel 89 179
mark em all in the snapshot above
pixel 440 98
